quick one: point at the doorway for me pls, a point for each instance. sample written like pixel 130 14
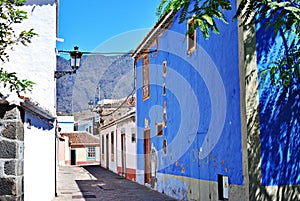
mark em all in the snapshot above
pixel 73 156
pixel 107 151
pixel 147 155
pixel 123 151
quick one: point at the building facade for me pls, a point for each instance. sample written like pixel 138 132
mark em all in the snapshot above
pixel 79 148
pixel 118 145
pixel 204 130
pixel 37 62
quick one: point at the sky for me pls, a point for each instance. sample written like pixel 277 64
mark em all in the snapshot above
pixel 104 25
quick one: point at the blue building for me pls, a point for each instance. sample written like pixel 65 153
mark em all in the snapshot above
pixel 201 117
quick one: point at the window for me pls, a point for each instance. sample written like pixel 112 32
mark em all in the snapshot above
pixel 91 153
pixel 133 138
pixel 164 68
pixel 146 77
pixel 165 146
pixel 191 42
pixel 112 145
pixel 164 89
pixel 159 129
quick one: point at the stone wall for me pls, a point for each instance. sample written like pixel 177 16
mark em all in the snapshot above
pixel 11 153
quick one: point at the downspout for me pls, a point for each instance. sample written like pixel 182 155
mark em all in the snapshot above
pixel 55 162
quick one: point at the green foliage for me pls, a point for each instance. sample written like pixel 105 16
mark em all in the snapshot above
pixel 10 15
pixel 203 13
pixel 11 81
pixel 283 17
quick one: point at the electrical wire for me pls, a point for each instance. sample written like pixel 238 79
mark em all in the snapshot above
pixel 105 115
pixel 105 53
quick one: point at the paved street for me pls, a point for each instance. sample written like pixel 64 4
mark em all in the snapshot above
pixel 93 183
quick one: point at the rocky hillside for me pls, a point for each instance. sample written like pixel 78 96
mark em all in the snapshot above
pixel 114 75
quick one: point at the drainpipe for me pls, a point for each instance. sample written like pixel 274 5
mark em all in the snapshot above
pixel 55 163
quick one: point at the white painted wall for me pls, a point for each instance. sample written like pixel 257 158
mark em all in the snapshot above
pixel 127 125
pixel 39 164
pixel 37 62
pixel 112 164
pixel 67 151
pixel 66 123
pixel 130 147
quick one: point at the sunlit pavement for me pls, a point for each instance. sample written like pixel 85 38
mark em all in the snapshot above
pixel 93 183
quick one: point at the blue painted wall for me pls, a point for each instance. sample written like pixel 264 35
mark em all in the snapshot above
pixel 85 126
pixel 37 122
pixel 203 128
pixel 279 117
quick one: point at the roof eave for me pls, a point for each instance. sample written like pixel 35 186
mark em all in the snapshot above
pixel 34 108
pixel 157 29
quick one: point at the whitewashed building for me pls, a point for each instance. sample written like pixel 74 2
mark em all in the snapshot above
pixel 37 62
pixel 118 145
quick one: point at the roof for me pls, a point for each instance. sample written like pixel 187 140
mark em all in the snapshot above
pixel 26 103
pixel 160 26
pixel 81 138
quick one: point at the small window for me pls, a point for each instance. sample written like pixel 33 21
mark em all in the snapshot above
pixel 159 129
pixel 146 77
pixel 133 137
pixel 191 40
pixel 165 119
pixel 91 153
pixel 112 145
pixel 164 89
pixel 164 68
pixel 165 150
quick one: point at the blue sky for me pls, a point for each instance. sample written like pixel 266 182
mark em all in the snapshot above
pixel 104 26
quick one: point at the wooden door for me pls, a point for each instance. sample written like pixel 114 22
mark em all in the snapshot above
pixel 73 157
pixel 147 156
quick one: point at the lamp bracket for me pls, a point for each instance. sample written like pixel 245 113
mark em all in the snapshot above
pixel 59 74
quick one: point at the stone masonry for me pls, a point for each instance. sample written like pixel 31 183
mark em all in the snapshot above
pixel 11 153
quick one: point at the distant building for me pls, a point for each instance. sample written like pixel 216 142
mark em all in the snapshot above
pixel 80 148
pixel 90 125
pixel 65 123
pixel 118 145
pixel 118 136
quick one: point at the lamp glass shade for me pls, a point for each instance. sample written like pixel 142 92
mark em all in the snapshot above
pixel 75 58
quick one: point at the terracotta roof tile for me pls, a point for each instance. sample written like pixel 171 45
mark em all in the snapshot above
pixel 81 138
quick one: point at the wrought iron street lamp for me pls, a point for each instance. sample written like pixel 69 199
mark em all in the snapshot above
pixel 74 63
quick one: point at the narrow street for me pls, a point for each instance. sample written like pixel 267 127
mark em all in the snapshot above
pixel 93 183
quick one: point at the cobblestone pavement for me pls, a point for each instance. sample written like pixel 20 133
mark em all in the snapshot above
pixel 93 183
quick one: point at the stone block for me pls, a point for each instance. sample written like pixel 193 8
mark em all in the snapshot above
pixel 13 167
pixel 13 130
pixel 8 149
pixel 7 186
pixel 10 167
pixel 11 198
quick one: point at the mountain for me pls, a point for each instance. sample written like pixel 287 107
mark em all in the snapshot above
pixel 114 75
